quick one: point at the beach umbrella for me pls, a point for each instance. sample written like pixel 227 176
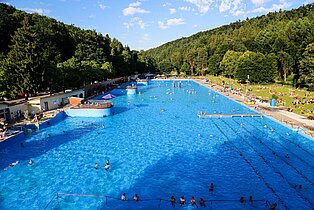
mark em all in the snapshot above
pixel 150 75
pixel 108 96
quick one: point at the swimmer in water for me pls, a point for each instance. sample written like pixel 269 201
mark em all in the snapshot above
pixel 182 201
pixel 12 165
pixel 211 187
pixel 193 201
pixel 30 162
pixel 251 198
pixel 107 165
pixel 173 201
pixel 96 166
pixel 123 197
pixel 202 202
pixel 136 197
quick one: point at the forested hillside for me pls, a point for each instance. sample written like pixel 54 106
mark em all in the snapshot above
pixel 38 54
pixel 274 47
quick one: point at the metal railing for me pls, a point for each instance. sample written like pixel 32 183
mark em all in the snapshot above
pixel 208 202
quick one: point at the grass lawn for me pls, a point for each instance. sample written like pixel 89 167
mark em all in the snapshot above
pixel 286 94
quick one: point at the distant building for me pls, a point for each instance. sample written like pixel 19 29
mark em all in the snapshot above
pixel 13 109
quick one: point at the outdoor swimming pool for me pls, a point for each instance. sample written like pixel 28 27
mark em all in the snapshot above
pixel 159 147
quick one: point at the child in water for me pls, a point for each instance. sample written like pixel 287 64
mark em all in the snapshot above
pixel 107 165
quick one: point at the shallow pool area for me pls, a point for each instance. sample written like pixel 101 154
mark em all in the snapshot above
pixel 158 146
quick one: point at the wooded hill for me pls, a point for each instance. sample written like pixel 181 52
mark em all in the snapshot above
pixel 274 47
pixel 39 54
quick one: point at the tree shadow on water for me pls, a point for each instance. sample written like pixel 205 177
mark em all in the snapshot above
pixel 23 150
pixel 183 174
pixel 119 109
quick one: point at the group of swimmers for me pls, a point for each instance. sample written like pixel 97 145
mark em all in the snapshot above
pixel 107 165
pixel 135 197
pixel 242 200
pixel 183 203
pixel 192 201
pixel 30 163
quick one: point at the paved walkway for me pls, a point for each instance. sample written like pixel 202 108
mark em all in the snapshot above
pixel 279 113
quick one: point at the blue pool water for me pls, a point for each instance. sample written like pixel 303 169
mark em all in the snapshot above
pixel 159 147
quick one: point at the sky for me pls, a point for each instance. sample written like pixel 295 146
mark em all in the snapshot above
pixel 145 24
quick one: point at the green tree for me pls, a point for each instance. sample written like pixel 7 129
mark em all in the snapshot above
pixel 107 67
pixel 185 68
pixel 259 67
pixel 286 65
pixel 228 65
pixel 307 65
pixel 24 60
pixel 213 64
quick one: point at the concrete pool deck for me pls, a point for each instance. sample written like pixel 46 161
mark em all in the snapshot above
pixel 291 119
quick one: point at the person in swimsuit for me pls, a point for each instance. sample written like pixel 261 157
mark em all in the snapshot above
pixel 123 197
pixel 107 165
pixel 136 197
pixel 202 202
pixel 193 201
pixel 173 201
pixel 211 187
pixel 182 201
pixel 12 164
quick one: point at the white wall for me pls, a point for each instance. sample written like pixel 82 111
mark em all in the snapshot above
pixel 38 105
pixel 55 100
pixel 14 108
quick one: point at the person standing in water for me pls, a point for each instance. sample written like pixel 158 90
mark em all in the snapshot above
pixel 107 165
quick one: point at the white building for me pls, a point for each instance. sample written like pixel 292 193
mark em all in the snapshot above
pixel 12 109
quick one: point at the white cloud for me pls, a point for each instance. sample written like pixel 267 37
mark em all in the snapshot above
pixel 133 10
pixel 308 2
pixel 128 25
pixel 166 4
pixel 195 25
pixel 175 21
pixel 224 6
pixel 141 24
pixel 202 5
pixel 135 4
pixel 145 38
pixel 238 12
pixel 135 21
pixel 258 2
pixel 187 9
pixel 39 11
pixel 235 7
pixel 171 22
pixel 274 7
pixel 162 25
pixel 172 11
pixel 102 6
